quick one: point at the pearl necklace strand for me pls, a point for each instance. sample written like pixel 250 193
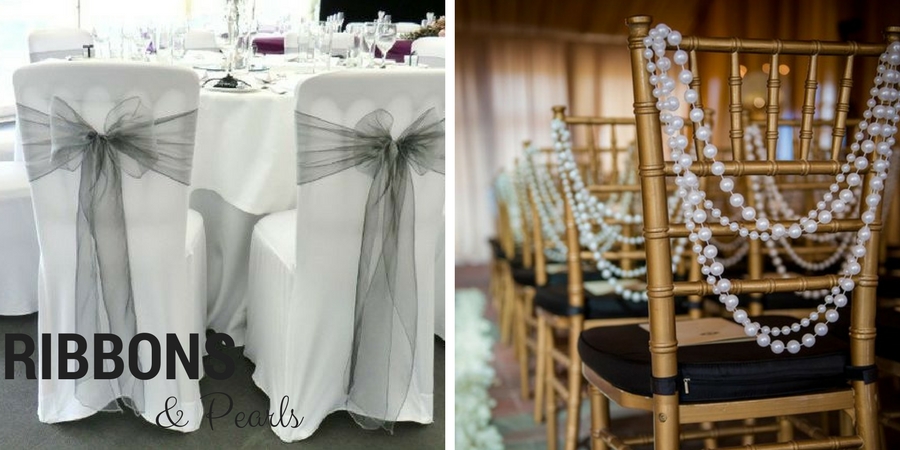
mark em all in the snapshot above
pixel 549 205
pixel 875 136
pixel 588 210
pixel 505 189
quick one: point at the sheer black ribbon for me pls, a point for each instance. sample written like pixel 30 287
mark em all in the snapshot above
pixel 132 142
pixel 386 310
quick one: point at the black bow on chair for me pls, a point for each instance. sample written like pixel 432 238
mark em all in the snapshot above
pixel 132 142
pixel 380 372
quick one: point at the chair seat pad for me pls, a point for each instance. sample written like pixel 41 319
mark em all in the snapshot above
pixel 887 334
pixel 526 277
pixel 555 300
pixel 717 372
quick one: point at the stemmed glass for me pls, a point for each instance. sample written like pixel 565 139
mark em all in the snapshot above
pixel 370 35
pixel 178 48
pixel 339 20
pixel 387 36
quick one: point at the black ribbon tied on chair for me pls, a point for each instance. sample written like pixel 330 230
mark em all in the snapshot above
pixel 133 143
pixel 386 309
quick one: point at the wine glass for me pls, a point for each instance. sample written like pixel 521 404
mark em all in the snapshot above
pixel 178 48
pixel 339 19
pixel 387 36
pixel 370 35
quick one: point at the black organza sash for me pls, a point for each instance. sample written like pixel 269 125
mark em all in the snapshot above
pixel 381 363
pixel 132 142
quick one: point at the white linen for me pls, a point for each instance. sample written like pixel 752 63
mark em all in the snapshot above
pixel 431 50
pixel 57 43
pixel 407 27
pixel 303 265
pixel 19 253
pixel 157 221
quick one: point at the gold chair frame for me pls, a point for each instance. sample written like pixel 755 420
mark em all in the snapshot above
pixel 860 400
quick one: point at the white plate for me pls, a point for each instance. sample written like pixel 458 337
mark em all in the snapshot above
pixel 240 90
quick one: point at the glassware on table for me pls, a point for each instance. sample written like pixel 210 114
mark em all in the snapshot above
pixel 387 36
pixel 429 17
pixel 178 48
pixel 339 19
pixel 370 35
pixel 381 15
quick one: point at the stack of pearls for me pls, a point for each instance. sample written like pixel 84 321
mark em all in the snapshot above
pixel 583 201
pixel 550 215
pixel 505 187
pixel 881 116
pixel 521 184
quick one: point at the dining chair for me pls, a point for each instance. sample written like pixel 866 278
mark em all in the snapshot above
pixel 565 311
pixel 201 40
pixel 108 150
pixel 789 366
pixel 506 240
pixel 57 43
pixel 19 264
pixel 431 50
pixel 340 311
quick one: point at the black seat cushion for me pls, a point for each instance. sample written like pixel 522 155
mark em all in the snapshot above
pixel 526 277
pixel 888 334
pixel 717 372
pixel 555 300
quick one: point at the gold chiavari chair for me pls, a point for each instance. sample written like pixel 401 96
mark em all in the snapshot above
pixel 564 311
pixel 682 385
pixel 523 261
pixel 503 245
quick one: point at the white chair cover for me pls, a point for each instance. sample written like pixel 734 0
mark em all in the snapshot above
pixel 57 43
pixel 18 241
pixel 407 27
pixel 160 296
pixel 430 50
pixel 203 40
pixel 304 265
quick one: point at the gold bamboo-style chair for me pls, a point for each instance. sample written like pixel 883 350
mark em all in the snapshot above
pixel 564 311
pixel 677 383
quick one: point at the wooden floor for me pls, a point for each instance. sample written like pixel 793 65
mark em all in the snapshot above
pixel 513 416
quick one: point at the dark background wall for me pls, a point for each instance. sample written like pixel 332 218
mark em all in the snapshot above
pixel 400 10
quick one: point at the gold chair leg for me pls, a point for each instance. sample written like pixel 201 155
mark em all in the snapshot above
pixel 709 442
pixel 575 383
pixel 549 391
pixel 845 424
pixel 522 346
pixel 506 319
pixel 749 439
pixel 599 417
pixel 785 430
pixel 540 369
pixel 867 414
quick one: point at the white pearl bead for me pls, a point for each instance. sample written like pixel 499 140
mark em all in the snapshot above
pixel 763 340
pixel 793 346
pixel 724 285
pixel 762 224
pixel 736 200
pixel 717 168
pixel 795 231
pixel 727 184
pixel 810 226
pixel 832 315
pixel 680 57
pixel 821 329
pixel 696 115
pixel 716 268
pixel 685 76
pixel 710 251
pixel 748 213
pixel 740 316
pixel 825 217
pixel 777 347
pixel 809 340
pixel 840 300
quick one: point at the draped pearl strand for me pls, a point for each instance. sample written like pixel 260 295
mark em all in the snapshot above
pixel 548 203
pixel 876 137
pixel 588 210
